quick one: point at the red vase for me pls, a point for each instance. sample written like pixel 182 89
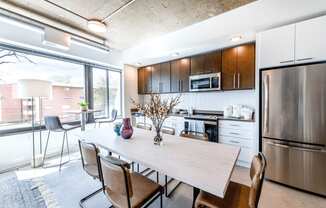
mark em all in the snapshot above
pixel 126 129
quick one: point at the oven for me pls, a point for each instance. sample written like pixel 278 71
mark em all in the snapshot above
pixel 205 82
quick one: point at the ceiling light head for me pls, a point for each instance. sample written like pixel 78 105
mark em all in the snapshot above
pixel 236 38
pixel 96 26
pixel 175 54
pixel 138 64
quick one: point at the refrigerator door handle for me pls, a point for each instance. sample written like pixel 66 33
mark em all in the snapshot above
pixel 266 104
pixel 288 146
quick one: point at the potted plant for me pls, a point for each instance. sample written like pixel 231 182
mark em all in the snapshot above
pixel 83 105
pixel 157 110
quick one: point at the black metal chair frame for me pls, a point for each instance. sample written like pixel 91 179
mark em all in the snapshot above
pixel 81 202
pixel 114 114
pixel 159 194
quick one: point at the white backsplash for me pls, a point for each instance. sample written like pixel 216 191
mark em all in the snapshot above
pixel 214 100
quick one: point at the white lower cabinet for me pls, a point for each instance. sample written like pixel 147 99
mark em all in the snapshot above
pixel 240 134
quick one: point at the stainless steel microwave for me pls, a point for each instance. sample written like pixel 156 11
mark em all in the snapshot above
pixel 205 82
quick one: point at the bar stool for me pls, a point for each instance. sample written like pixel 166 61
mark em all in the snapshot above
pixel 53 124
pixel 99 121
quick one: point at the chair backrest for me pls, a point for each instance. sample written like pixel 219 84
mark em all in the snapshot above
pixel 194 135
pixel 257 174
pixel 52 123
pixel 116 177
pixel 89 158
pixel 114 114
pixel 144 126
pixel 168 130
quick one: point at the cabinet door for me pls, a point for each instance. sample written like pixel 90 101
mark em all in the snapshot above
pixel 246 66
pixel 277 46
pixel 198 65
pixel 184 74
pixel 213 62
pixel 156 74
pixel 175 76
pixel 165 77
pixel 229 68
pixel 148 79
pixel 141 81
pixel 310 40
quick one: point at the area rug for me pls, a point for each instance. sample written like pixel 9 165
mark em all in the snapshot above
pixel 16 193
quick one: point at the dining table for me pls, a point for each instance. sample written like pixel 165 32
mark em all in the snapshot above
pixel 204 165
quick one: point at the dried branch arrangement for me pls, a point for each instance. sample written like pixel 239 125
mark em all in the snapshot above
pixel 157 109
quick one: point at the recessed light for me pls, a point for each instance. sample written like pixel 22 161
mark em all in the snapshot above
pixel 138 64
pixel 236 38
pixel 175 54
pixel 96 26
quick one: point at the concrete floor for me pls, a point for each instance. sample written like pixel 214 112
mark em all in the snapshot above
pixel 273 195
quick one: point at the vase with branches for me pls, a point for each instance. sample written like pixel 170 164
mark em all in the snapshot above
pixel 157 110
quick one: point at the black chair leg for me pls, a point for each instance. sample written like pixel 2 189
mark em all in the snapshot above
pixel 67 141
pixel 161 199
pixel 167 194
pixel 62 148
pixel 46 146
pixel 88 197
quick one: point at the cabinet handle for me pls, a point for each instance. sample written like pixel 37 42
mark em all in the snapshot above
pixel 238 80
pixel 234 80
pixel 181 84
pixel 289 61
pixel 305 59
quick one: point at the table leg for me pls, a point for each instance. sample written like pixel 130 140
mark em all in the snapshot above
pixel 195 194
pixel 83 120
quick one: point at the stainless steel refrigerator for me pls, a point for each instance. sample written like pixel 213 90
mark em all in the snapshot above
pixel 294 126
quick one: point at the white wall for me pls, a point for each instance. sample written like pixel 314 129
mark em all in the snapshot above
pixel 216 101
pixel 18 34
pixel 130 88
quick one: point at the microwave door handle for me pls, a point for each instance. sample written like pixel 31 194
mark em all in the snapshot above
pixel 266 104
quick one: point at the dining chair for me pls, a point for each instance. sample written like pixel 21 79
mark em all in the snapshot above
pixel 144 126
pixel 194 135
pixel 90 161
pixel 53 124
pixel 127 189
pixel 99 121
pixel 238 195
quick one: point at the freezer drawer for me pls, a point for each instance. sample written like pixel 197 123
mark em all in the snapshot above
pixel 296 166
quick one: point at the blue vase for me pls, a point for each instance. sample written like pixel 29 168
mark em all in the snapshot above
pixel 116 128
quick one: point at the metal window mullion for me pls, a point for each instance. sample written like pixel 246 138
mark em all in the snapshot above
pixel 108 92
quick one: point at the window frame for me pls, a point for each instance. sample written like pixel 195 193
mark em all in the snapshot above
pixel 88 83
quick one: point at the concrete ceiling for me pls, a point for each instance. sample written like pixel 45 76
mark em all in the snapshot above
pixel 140 21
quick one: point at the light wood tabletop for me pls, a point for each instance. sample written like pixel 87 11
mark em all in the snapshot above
pixel 205 165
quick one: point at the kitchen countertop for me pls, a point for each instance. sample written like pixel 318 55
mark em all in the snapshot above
pixel 218 118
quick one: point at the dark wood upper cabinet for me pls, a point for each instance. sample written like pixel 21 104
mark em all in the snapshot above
pixel 213 62
pixel 206 63
pixel 180 71
pixel 147 79
pixel 165 77
pixel 197 64
pixel 246 66
pixel 238 67
pixel 229 68
pixel 141 81
pixel 156 74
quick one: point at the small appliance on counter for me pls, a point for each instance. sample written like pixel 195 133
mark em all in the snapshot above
pixel 238 111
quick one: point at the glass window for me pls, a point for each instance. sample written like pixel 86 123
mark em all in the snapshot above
pixel 100 93
pixel 67 89
pixel 115 91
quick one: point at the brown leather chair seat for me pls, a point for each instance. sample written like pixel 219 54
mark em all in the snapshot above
pixel 143 190
pixel 236 196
